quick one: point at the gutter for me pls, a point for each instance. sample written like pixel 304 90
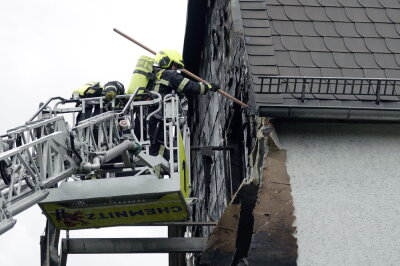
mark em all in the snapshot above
pixel 330 113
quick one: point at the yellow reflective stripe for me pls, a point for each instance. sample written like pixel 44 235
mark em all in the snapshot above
pixel 163 82
pixel 91 91
pixel 182 84
pixel 111 87
pixel 159 73
pixel 202 88
pixel 160 81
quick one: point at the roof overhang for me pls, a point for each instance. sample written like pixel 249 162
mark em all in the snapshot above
pixel 329 113
pixel 348 99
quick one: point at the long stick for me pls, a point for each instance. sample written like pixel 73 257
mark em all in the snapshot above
pixel 187 72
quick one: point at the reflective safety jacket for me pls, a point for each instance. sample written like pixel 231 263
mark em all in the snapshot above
pixel 91 89
pixel 168 80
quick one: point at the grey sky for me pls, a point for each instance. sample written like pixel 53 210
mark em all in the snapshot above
pixel 49 48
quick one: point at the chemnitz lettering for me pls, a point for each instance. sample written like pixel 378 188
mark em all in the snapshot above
pixel 78 217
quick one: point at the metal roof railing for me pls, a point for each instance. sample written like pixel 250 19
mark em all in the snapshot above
pixel 300 87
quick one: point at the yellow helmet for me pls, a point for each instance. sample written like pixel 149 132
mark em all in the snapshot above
pixel 165 57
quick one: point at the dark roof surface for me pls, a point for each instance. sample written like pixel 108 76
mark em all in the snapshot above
pixel 347 38
pixel 323 38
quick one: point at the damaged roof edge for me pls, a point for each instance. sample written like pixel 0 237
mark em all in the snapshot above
pixel 329 113
pixel 194 34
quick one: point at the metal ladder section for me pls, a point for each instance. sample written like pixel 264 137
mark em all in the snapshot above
pixel 181 248
pixel 47 150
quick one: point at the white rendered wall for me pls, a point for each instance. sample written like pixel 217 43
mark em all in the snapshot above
pixel 345 180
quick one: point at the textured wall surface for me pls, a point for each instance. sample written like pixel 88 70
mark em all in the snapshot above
pixel 346 187
pixel 215 120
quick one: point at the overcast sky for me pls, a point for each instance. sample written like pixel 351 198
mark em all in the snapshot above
pixel 48 48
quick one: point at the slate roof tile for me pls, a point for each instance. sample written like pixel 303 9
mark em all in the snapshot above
pixel 310 71
pixel 283 58
pixel 390 3
pixel 276 13
pixel 397 56
pixel 366 60
pixel 252 5
pixel 264 70
pixel 397 28
pixel 378 15
pixel 289 71
pixel 393 15
pixel 258 40
pixel 301 59
pixel 349 3
pixel 345 60
pixel 254 14
pixel 370 3
pixel 293 43
pixel 366 30
pixel 323 60
pixel 352 72
pixel 272 2
pixel 335 44
pixel 376 45
pixel 329 3
pixel 295 12
pixel 374 73
pixel 346 29
pixel 355 45
pixel 262 32
pixel 284 27
pixel 276 40
pixel 255 23
pixel 392 73
pixel 393 45
pixel 337 14
pixel 331 72
pixel 260 50
pixel 316 13
pixel 315 44
pixel 263 60
pixel 325 29
pixel 305 28
pixel 290 2
pixel 357 14
pixel 386 61
pixel 309 2
pixel 386 30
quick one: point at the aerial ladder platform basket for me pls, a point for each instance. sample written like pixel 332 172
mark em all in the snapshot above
pixel 96 171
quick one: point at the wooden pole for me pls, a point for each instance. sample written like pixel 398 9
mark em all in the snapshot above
pixel 187 72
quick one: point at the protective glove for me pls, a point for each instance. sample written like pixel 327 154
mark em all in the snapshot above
pixel 213 87
pixel 110 95
pixel 112 89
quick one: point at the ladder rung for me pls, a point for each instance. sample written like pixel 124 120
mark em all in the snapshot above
pixel 133 245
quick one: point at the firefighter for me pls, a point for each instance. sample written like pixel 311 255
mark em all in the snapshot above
pixel 112 89
pixel 167 79
pixel 88 90
pixel 95 89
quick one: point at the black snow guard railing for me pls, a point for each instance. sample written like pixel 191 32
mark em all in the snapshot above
pixel 300 87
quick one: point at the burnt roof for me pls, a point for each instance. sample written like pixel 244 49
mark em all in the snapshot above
pixel 322 38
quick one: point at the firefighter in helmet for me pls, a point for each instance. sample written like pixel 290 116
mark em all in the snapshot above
pixel 167 79
pixel 94 89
